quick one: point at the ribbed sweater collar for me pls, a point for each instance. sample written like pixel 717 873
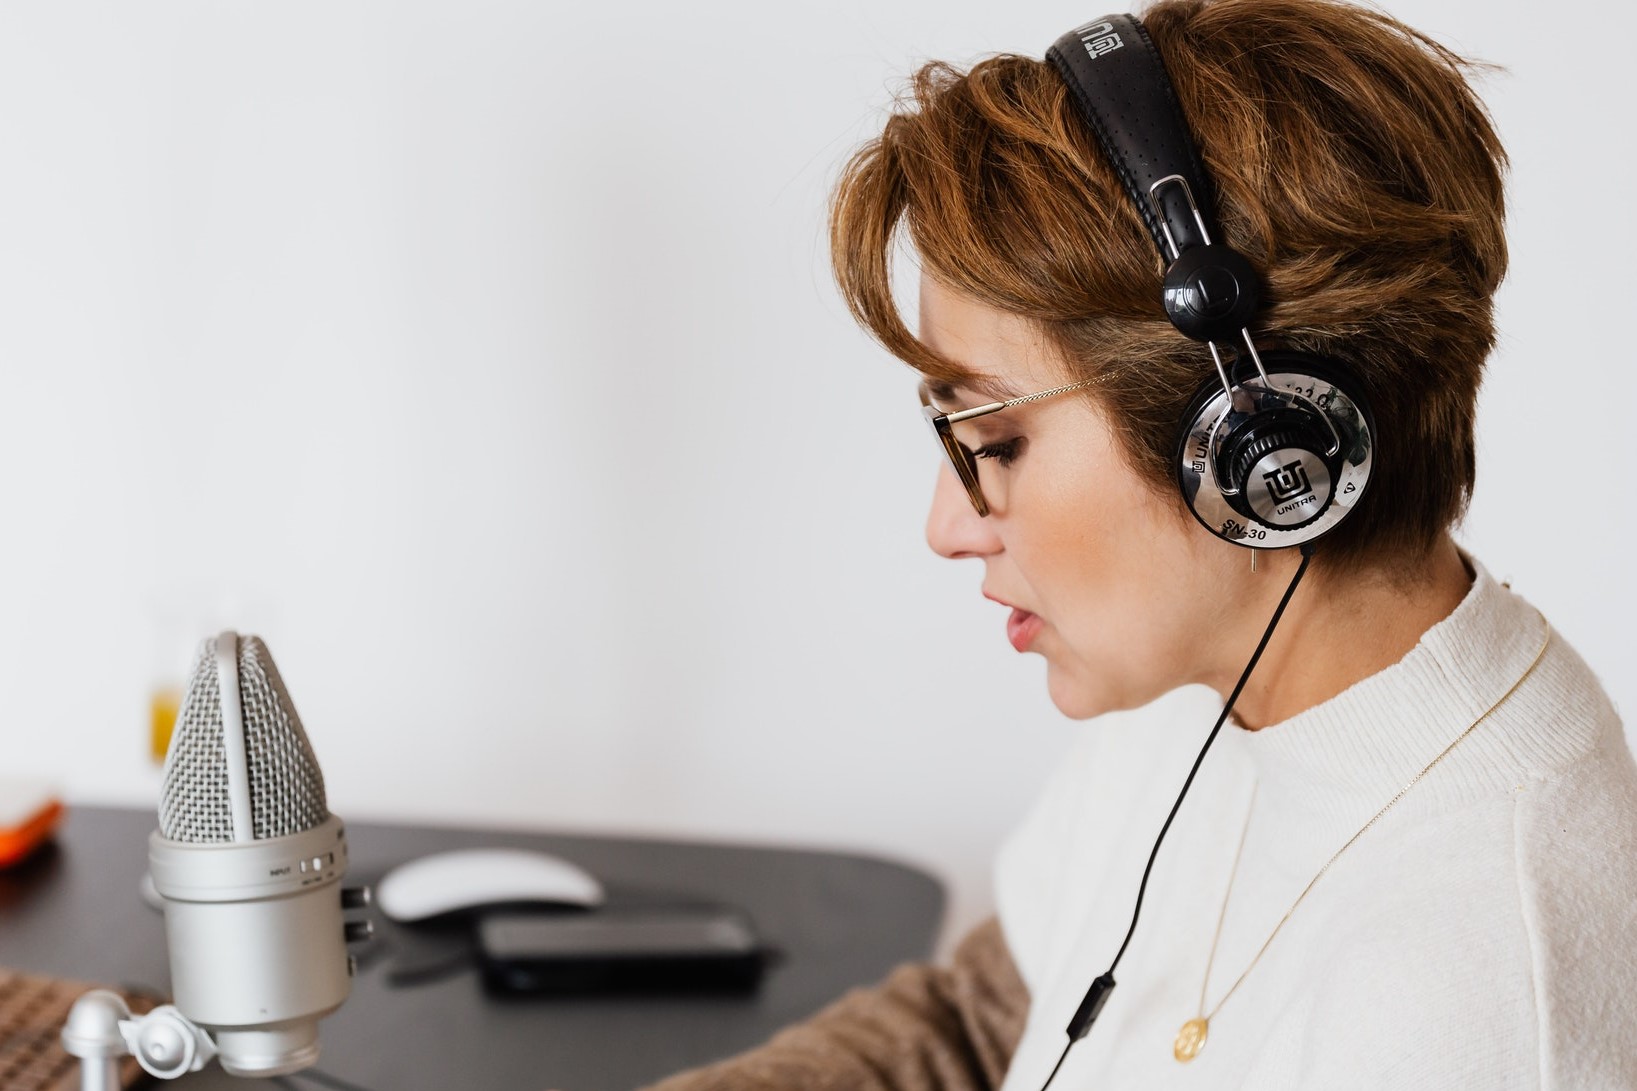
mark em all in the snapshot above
pixel 1352 753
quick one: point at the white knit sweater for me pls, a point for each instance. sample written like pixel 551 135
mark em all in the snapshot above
pixel 1482 935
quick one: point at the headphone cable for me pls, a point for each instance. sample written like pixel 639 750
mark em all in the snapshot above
pixel 1098 994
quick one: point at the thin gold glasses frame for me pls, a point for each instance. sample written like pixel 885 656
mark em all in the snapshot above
pixel 961 458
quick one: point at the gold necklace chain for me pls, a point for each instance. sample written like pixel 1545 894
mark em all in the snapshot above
pixel 1191 1038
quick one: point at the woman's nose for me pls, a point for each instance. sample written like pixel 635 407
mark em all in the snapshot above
pixel 953 526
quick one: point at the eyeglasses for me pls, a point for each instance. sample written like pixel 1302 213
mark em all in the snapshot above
pixel 962 457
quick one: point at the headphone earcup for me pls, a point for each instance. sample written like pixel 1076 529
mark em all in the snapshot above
pixel 1276 468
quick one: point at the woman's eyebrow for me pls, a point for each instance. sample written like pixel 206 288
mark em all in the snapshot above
pixel 990 389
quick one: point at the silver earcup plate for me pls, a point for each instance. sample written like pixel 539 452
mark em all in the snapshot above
pixel 1198 461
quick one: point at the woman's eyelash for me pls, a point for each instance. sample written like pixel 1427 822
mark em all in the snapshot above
pixel 1004 452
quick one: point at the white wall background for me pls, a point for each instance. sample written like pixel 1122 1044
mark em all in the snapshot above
pixel 483 357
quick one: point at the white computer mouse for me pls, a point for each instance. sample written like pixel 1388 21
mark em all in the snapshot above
pixel 465 880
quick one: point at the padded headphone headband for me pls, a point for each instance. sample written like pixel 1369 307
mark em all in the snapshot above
pixel 1120 85
pixel 1271 457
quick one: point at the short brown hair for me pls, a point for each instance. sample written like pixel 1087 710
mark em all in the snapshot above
pixel 1354 167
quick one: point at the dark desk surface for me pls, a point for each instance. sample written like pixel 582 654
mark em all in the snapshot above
pixel 840 921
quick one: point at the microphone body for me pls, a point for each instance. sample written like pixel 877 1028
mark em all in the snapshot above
pixel 257 949
pixel 248 862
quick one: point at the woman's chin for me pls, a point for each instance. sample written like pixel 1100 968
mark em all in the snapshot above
pixel 1081 694
pixel 1077 697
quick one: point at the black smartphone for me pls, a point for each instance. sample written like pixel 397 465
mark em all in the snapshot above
pixel 621 949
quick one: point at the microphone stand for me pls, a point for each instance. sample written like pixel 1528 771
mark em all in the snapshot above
pixel 100 1030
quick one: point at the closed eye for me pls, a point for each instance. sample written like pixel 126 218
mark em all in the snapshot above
pixel 1004 452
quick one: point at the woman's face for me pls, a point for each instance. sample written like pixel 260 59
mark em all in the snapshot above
pixel 1112 583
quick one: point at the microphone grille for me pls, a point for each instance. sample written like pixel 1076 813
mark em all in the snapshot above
pixel 285 785
pixel 193 806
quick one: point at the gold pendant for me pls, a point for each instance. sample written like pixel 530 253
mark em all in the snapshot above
pixel 1191 1039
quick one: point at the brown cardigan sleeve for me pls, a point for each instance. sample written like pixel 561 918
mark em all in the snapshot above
pixel 925 1028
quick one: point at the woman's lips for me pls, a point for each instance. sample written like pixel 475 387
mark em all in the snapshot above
pixel 1021 629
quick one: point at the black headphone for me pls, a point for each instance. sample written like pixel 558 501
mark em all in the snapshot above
pixel 1277 450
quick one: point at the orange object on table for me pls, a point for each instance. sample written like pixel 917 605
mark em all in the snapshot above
pixel 29 812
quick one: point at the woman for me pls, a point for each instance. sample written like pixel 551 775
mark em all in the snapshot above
pixel 1410 859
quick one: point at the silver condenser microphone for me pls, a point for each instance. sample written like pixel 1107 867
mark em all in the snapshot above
pixel 248 861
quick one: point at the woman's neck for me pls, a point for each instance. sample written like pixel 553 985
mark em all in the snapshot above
pixel 1337 632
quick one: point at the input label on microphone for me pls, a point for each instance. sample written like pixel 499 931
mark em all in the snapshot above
pixel 276 872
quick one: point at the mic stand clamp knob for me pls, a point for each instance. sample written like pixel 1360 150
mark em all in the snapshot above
pixel 167 1043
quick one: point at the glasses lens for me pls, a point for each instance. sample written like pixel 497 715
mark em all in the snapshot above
pixel 960 457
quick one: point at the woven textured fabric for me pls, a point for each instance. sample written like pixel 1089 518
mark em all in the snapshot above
pixel 32 1012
